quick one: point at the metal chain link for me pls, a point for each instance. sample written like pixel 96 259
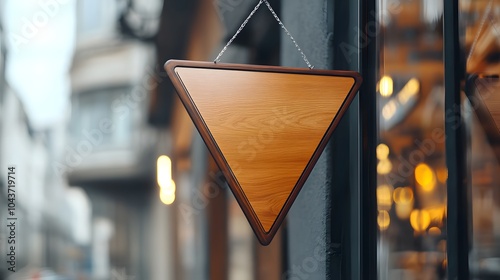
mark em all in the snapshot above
pixel 289 35
pixel 217 59
pixel 304 57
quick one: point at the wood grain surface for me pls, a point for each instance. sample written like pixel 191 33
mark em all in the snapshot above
pixel 268 127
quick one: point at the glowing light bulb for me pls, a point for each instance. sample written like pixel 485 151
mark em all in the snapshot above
pixel 384 167
pixel 165 181
pixel 403 195
pixel 386 86
pixel 167 197
pixel 384 197
pixel 163 171
pixel 383 220
pixel 420 220
pixel 382 151
pixel 424 176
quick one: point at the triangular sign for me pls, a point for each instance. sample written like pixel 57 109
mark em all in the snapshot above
pixel 265 127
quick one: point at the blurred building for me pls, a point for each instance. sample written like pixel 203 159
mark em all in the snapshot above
pixel 50 230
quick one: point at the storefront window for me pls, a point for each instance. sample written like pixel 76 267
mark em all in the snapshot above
pixel 412 173
pixel 481 26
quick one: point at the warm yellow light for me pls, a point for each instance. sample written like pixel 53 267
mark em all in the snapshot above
pixel 384 197
pixel 437 214
pixel 409 90
pixel 386 86
pixel 383 220
pixel 403 210
pixel 384 167
pixel 170 188
pixel 163 171
pixel 403 195
pixel 424 176
pixel 167 193
pixel 435 231
pixel 382 151
pixel 442 175
pixel 389 110
pixel 167 197
pixel 164 179
pixel 420 220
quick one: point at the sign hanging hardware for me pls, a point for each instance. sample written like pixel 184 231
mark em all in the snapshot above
pixel 304 57
pixel 265 127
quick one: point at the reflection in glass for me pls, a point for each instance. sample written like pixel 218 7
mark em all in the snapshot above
pixel 481 26
pixel 411 192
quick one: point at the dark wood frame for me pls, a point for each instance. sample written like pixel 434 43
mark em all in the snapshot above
pixel 264 237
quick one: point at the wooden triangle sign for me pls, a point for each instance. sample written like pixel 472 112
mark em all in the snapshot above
pixel 265 127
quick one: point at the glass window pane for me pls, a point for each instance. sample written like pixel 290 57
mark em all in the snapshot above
pixel 411 191
pixel 480 21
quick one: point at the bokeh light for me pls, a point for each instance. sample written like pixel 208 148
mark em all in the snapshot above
pixel 424 176
pixel 420 220
pixel 386 86
pixel 383 220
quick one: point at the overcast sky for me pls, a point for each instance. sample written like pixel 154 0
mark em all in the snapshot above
pixel 40 44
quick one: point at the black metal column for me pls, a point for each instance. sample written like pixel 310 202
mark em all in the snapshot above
pixel 369 132
pixel 457 232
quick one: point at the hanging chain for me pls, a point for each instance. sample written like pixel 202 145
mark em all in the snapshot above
pixel 304 57
pixel 217 59
pixel 289 35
